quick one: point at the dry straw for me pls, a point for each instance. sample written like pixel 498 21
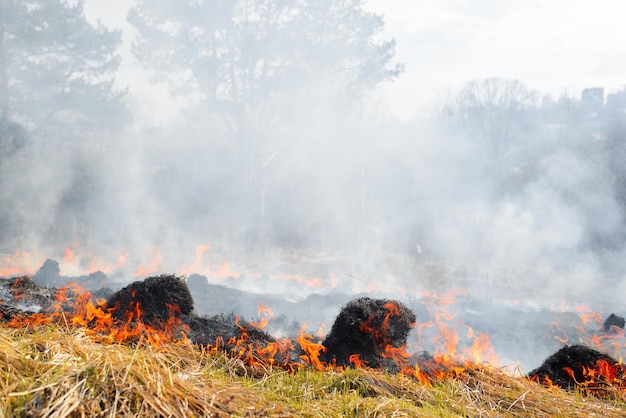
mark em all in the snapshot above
pixel 55 371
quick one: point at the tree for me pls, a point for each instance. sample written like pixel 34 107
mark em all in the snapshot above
pixel 57 70
pixel 255 66
pixel 57 101
pixel 495 110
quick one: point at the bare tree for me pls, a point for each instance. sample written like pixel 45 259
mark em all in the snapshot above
pixel 495 110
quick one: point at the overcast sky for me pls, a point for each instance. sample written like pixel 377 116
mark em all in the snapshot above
pixel 552 46
pixel 555 46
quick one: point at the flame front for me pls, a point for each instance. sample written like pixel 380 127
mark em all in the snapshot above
pixel 456 346
pixel 98 319
pixel 76 307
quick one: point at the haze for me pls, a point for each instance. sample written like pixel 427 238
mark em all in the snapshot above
pixel 463 155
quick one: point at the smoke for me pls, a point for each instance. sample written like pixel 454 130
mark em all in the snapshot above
pixel 326 182
pixel 318 191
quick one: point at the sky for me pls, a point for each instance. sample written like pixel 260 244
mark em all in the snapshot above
pixel 556 47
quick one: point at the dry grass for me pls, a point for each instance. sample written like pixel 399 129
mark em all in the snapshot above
pixel 54 371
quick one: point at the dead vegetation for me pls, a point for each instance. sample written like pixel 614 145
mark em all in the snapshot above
pixel 56 371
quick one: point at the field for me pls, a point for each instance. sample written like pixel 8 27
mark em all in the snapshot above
pixel 60 371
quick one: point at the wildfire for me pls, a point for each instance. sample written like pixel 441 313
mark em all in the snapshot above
pixel 74 306
pixel 450 344
pixel 456 347
pixel 264 314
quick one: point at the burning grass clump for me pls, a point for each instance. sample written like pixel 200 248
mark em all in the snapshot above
pixel 583 368
pixel 367 331
pixel 153 301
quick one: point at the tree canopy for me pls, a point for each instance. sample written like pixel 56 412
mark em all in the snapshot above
pixel 58 110
pixel 56 69
pixel 241 54
pixel 273 77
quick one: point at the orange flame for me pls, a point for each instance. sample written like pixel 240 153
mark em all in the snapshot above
pixel 264 313
pixel 449 345
pixel 312 350
pixel 98 320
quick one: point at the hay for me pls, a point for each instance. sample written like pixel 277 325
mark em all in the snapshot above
pixel 54 372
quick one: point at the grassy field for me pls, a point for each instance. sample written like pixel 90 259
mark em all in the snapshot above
pixel 57 371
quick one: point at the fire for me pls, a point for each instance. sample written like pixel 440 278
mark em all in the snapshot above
pixel 313 282
pixel 594 378
pixel 311 349
pixel 591 318
pixel 356 362
pixel 98 320
pixel 76 307
pixel 68 255
pixel 74 260
pixel 321 331
pixel 456 346
pixel 449 344
pixel 592 358
pixel 592 332
pixel 223 271
pixel 197 263
pixel 264 314
pixel 380 333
